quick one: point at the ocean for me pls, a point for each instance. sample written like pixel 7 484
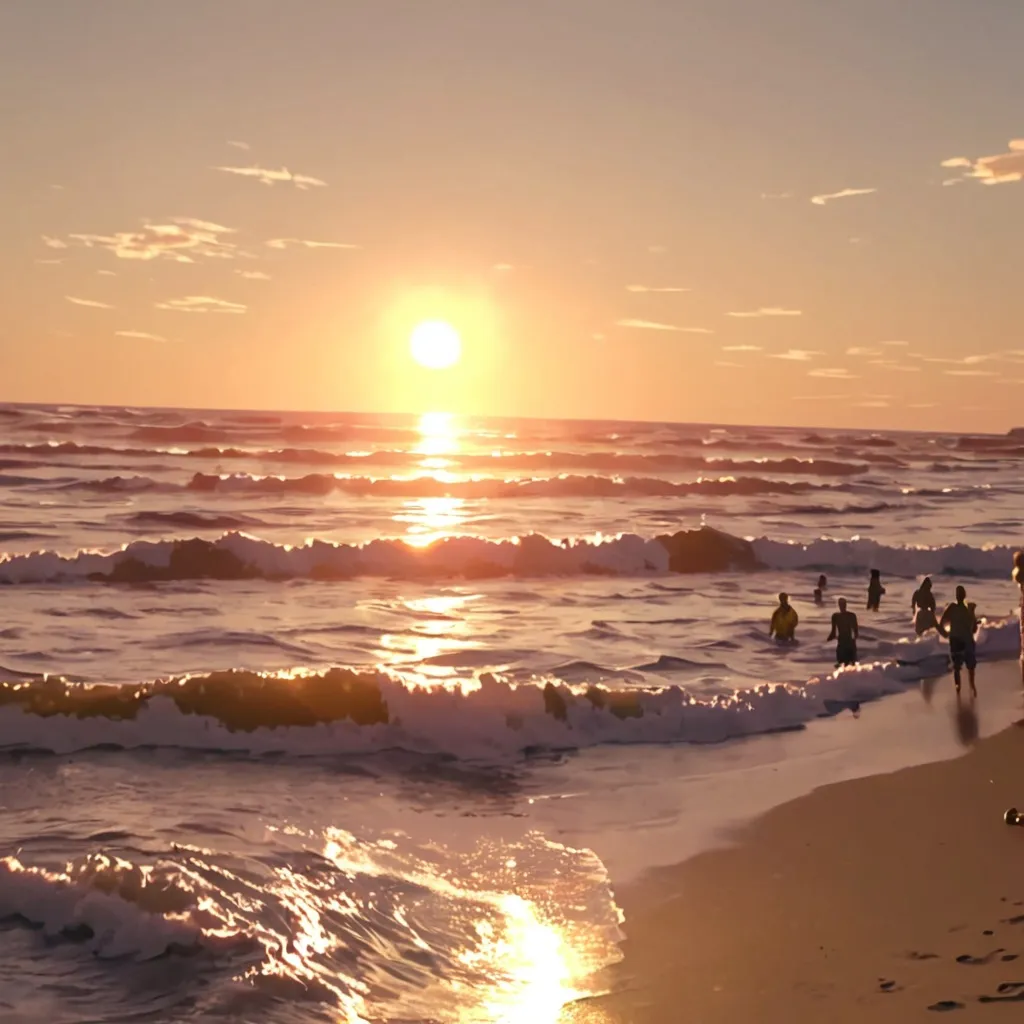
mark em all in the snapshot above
pixel 310 717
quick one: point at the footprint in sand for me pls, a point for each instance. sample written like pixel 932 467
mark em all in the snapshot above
pixel 978 961
pixel 1009 992
pixel 914 955
pixel 945 1006
pixel 889 986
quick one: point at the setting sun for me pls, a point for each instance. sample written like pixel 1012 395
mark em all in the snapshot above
pixel 435 344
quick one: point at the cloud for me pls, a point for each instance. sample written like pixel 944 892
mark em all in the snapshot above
pixel 766 311
pixel 283 243
pixel 49 262
pixel 921 405
pixel 106 273
pixel 644 289
pixel 266 176
pixel 654 325
pixel 141 335
pixel 832 373
pixel 776 195
pixel 54 243
pixel 872 403
pixel 896 344
pixel 735 366
pixel 969 373
pixel 742 348
pixel 502 268
pixel 845 193
pixel 796 355
pixel 239 145
pixel 657 250
pixel 91 303
pixel 201 304
pixel 859 350
pixel 253 275
pixel 891 364
pixel 973 360
pixel 1000 169
pixel 182 239
pixel 597 337
pixel 819 398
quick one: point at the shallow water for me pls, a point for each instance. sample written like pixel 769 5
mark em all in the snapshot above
pixel 387 811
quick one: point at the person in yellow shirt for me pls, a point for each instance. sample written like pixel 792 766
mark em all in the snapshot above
pixel 784 621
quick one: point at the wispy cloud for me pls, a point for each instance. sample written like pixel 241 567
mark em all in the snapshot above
pixel 832 373
pixel 1000 169
pixel 140 335
pixel 972 360
pixel 182 239
pixel 969 373
pixel 657 250
pixel 859 350
pixel 742 348
pixel 750 314
pixel 503 268
pixel 872 403
pixel 796 355
pixel 235 144
pixel 776 195
pixel 54 243
pixel 896 344
pixel 651 289
pixel 845 193
pixel 655 325
pixel 90 303
pixel 106 273
pixel 52 262
pixel 267 176
pixel 891 364
pixel 201 304
pixel 725 362
pixel 284 243
pixel 253 275
pixel 921 405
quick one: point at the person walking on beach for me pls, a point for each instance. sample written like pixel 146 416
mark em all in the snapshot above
pixel 1018 577
pixel 784 621
pixel 922 605
pixel 959 624
pixel 846 633
pixel 875 591
pixel 819 590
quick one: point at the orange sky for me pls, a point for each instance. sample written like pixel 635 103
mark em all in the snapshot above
pixel 729 211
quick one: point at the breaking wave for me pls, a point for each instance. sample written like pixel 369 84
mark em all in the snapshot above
pixel 345 711
pixel 236 556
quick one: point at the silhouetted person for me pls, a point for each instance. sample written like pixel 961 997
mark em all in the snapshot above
pixel 875 590
pixel 846 633
pixel 1018 577
pixel 958 622
pixel 784 621
pixel 819 590
pixel 922 604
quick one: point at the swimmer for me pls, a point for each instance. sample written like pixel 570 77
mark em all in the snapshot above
pixel 875 591
pixel 846 634
pixel 784 621
pixel 819 590
pixel 959 623
pixel 922 605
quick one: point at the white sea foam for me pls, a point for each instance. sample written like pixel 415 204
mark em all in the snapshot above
pixel 492 720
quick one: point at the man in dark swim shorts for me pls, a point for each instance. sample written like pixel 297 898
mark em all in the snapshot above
pixel 959 623
pixel 845 632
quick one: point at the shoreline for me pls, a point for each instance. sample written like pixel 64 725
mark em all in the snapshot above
pixel 884 895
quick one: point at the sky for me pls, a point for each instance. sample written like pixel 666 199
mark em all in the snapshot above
pixel 796 212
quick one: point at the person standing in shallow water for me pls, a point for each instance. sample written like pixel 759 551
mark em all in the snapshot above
pixel 1018 578
pixel 819 590
pixel 959 623
pixel 875 591
pixel 846 633
pixel 784 621
pixel 922 605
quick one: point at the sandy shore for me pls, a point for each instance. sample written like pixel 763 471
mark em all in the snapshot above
pixel 894 898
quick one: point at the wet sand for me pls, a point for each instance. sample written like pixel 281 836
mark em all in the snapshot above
pixel 898 897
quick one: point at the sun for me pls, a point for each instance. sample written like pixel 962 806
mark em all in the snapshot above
pixel 435 344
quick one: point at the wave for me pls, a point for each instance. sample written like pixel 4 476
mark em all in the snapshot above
pixel 345 711
pixel 194 520
pixel 238 556
pixel 499 461
pixel 559 486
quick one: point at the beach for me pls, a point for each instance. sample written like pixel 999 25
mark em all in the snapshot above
pixel 891 898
